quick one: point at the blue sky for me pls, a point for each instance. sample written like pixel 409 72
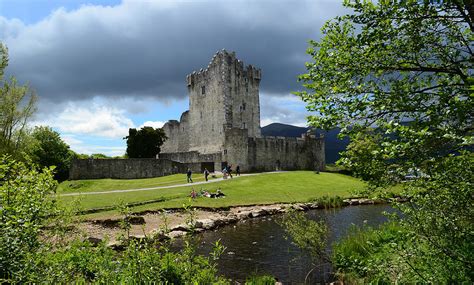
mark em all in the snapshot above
pixel 101 67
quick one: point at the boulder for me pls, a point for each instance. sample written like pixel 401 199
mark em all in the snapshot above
pixel 365 202
pixel 206 224
pixel 258 213
pixel 175 234
pixel 182 228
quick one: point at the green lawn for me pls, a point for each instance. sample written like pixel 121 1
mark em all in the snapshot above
pixel 285 187
pixel 93 185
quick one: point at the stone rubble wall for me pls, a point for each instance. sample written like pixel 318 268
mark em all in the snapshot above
pixel 273 153
pixel 283 153
pixel 131 168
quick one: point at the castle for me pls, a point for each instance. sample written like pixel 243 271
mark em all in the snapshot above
pixel 222 125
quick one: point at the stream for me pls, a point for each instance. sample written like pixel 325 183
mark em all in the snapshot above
pixel 258 246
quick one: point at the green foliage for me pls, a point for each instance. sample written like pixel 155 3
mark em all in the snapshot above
pixel 392 62
pixel 329 201
pixel 308 235
pixel 260 280
pixel 33 251
pixel 17 105
pixel 139 263
pixel 397 77
pixel 26 205
pixel 50 150
pixel 144 143
pixel 99 156
pixel 363 255
pixel 439 217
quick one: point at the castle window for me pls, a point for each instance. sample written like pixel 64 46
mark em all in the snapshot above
pixel 244 125
pixel 243 106
pixel 203 90
pixel 225 151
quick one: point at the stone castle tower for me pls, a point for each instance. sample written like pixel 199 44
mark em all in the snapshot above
pixel 223 96
pixel 223 123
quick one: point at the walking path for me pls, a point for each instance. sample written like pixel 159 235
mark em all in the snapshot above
pixel 162 187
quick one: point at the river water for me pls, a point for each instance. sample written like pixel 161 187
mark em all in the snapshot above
pixel 259 246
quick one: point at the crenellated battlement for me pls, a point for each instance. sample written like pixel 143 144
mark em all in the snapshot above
pixel 221 61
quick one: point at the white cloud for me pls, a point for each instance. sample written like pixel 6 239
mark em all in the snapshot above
pixel 154 124
pixel 97 120
pixel 285 109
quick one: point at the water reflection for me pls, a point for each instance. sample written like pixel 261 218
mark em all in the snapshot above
pixel 259 245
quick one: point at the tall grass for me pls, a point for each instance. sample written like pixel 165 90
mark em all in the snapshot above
pixel 329 201
pixel 363 250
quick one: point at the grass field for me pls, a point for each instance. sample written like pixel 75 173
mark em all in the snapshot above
pixel 285 187
pixel 93 185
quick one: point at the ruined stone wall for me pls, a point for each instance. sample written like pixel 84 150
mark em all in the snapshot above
pixel 273 153
pixel 124 168
pixel 282 153
pixel 178 134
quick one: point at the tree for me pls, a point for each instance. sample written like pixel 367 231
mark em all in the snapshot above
pixel 144 143
pixel 26 199
pixel 50 150
pixel 398 77
pixel 17 105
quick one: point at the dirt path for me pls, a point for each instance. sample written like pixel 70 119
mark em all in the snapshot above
pixel 162 187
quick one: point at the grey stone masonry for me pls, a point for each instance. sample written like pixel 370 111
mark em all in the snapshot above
pixel 123 168
pixel 223 124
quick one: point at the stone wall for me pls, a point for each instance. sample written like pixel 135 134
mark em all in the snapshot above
pixel 273 153
pixel 195 160
pixel 124 168
pixel 282 153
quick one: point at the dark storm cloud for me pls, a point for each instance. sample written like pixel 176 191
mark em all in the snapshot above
pixel 145 49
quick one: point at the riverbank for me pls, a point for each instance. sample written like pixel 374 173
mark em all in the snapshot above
pixel 166 224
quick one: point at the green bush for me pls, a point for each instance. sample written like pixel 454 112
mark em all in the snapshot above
pixel 32 248
pixel 260 280
pixel 26 205
pixel 364 252
pixel 329 201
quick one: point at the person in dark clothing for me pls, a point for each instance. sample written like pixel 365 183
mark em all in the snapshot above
pixel 188 174
pixel 237 170
pixel 229 170
pixel 206 173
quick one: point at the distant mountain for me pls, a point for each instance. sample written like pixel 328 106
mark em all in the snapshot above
pixel 333 145
pixel 283 130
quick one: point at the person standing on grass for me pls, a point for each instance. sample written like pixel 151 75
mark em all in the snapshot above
pixel 237 170
pixel 188 174
pixel 229 170
pixel 206 173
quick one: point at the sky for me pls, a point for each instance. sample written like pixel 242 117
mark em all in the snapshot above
pixel 102 67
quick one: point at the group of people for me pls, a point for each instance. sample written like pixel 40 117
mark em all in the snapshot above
pixel 205 193
pixel 227 171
